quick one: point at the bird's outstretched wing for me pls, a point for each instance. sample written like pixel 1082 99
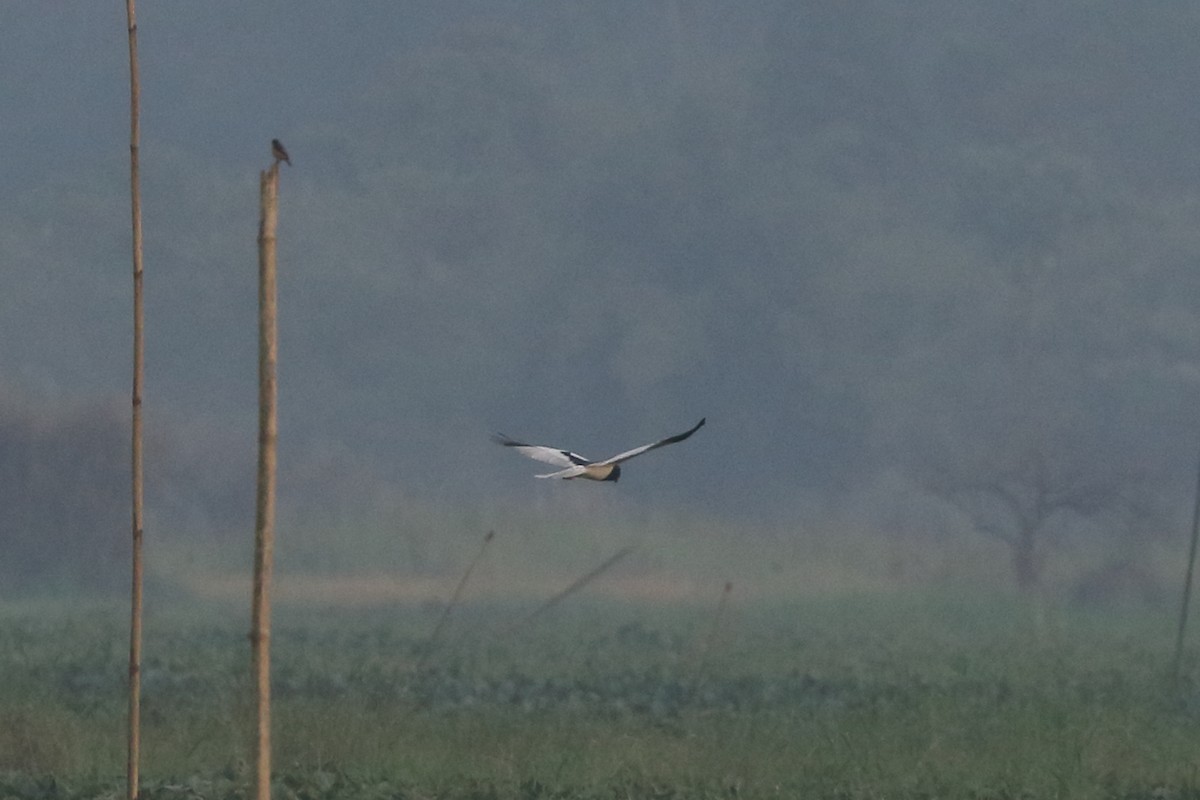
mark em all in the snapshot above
pixel 637 451
pixel 569 472
pixel 551 455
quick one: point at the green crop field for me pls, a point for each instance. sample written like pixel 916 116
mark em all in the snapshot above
pixel 881 695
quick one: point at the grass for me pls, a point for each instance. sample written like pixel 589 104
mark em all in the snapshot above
pixel 879 695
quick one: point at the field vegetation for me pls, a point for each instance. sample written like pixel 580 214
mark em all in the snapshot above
pixel 891 687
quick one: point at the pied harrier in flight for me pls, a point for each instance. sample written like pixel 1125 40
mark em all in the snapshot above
pixel 576 466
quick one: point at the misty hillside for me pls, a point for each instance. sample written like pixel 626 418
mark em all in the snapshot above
pixel 863 239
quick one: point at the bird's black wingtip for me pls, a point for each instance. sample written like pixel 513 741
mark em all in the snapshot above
pixel 681 436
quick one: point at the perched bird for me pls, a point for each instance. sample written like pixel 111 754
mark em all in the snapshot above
pixel 576 466
pixel 280 152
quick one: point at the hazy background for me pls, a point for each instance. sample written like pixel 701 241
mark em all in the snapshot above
pixel 885 249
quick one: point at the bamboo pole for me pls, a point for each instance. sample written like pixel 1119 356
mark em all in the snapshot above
pixel 1177 661
pixel 133 760
pixel 264 517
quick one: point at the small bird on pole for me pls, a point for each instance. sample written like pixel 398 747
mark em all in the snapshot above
pixel 280 152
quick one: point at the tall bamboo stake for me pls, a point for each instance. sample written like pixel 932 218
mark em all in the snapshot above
pixel 264 517
pixel 1177 661
pixel 139 342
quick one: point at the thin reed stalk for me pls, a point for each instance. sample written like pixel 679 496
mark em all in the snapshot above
pixel 714 630
pixel 575 586
pixel 264 517
pixel 454 598
pixel 1186 601
pixel 133 759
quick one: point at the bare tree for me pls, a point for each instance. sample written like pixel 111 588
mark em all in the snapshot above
pixel 1026 501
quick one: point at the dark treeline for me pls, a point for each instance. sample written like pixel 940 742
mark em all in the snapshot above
pixel 938 239
pixel 62 504
pixel 882 234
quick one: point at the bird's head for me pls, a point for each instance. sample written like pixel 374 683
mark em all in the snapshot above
pixel 615 475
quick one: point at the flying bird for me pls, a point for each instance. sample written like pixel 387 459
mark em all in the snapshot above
pixel 280 152
pixel 576 466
